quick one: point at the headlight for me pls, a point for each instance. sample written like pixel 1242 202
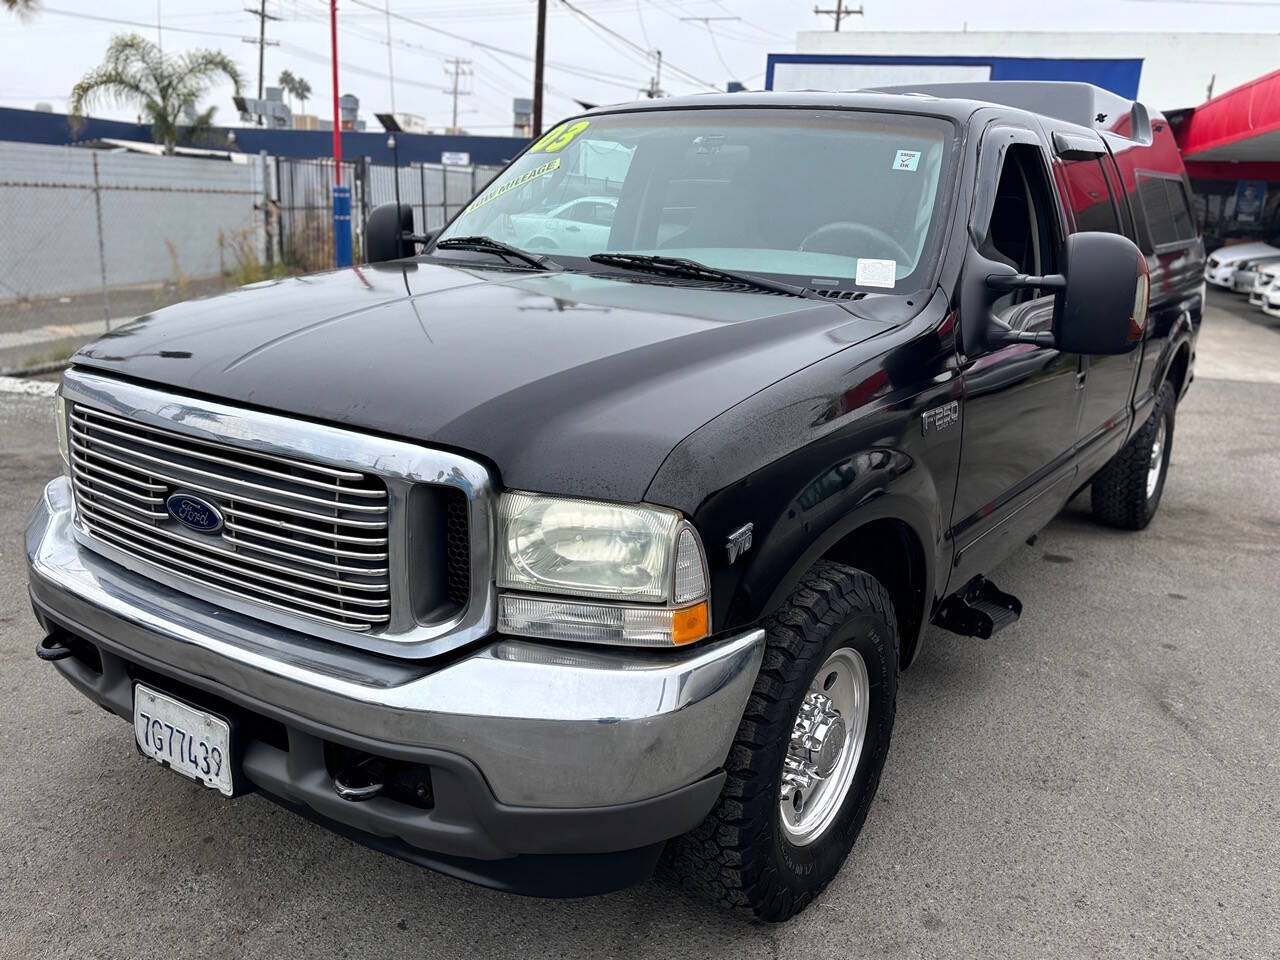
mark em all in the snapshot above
pixel 60 411
pixel 647 560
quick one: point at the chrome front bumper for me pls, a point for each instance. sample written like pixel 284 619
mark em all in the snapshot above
pixel 546 727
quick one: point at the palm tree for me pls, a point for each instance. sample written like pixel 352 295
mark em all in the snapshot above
pixel 295 87
pixel 288 83
pixel 302 90
pixel 21 7
pixel 136 72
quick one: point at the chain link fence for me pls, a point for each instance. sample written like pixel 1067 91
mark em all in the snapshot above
pixel 305 235
pixel 96 237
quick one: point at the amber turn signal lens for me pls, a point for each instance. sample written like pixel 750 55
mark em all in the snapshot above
pixel 690 624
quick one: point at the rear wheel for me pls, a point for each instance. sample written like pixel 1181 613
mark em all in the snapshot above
pixel 1127 491
pixel 806 761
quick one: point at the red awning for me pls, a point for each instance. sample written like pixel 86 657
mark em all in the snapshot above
pixel 1241 125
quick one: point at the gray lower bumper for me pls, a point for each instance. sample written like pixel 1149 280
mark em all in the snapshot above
pixel 545 727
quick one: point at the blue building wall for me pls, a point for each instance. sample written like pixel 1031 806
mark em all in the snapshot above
pixel 30 126
pixel 1118 76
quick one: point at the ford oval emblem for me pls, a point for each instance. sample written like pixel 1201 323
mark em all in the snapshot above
pixel 194 513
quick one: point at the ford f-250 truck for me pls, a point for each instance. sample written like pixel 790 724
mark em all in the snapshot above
pixel 545 566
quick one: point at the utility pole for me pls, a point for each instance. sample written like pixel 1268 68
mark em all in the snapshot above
pixel 539 52
pixel 456 68
pixel 159 29
pixel 654 90
pixel 262 42
pixel 839 13
pixel 391 69
pixel 341 194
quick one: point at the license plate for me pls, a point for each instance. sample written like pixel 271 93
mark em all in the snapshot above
pixel 194 743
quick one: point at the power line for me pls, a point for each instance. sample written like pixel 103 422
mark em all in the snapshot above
pixel 706 22
pixel 643 31
pixel 635 46
pixel 75 14
pixel 482 45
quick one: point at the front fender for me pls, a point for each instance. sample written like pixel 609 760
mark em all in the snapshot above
pixel 833 447
pixel 1180 333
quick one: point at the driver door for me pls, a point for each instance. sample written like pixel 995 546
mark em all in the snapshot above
pixel 1021 401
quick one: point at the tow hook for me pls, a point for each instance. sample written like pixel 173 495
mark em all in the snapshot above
pixel 53 647
pixel 362 780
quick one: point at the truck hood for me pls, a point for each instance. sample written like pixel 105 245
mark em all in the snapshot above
pixel 565 382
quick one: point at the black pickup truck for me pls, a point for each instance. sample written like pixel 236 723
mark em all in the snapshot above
pixel 591 538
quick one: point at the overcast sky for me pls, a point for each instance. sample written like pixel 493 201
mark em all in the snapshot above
pixel 43 56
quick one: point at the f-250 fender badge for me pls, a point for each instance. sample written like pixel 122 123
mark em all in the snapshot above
pixel 739 542
pixel 939 418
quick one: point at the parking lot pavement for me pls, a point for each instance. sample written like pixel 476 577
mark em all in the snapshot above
pixel 1102 779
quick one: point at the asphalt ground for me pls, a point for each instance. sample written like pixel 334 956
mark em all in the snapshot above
pixel 1100 780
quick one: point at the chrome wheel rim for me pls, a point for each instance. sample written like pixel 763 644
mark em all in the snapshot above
pixel 826 745
pixel 1156 464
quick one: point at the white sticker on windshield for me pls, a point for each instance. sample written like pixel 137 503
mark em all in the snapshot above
pixel 906 160
pixel 876 273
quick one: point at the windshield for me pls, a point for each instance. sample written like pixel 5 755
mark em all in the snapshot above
pixel 821 198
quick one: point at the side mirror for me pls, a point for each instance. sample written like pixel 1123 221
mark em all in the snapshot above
pixel 388 233
pixel 1104 306
pixel 1102 293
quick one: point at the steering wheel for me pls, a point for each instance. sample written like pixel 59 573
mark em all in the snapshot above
pixel 841 236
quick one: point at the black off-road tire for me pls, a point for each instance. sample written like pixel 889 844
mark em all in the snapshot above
pixel 1119 494
pixel 739 856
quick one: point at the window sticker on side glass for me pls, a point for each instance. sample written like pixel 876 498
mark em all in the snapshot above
pixel 876 273
pixel 906 160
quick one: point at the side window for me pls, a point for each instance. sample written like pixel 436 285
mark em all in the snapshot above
pixel 1024 228
pixel 596 212
pixel 1183 222
pixel 1166 210
pixel 1090 196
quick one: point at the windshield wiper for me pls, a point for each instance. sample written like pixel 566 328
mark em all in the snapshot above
pixel 683 267
pixel 490 245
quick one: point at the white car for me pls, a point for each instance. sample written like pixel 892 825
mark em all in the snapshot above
pixel 1220 268
pixel 584 222
pixel 1247 272
pixel 1271 301
pixel 1263 280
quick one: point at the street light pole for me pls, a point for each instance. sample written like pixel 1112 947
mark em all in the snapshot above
pixel 341 194
pixel 395 163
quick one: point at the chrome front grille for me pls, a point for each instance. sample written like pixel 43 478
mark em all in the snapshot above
pixel 300 537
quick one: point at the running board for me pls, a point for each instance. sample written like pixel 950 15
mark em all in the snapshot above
pixel 980 609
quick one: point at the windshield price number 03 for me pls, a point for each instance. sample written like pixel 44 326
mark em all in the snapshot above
pixel 191 742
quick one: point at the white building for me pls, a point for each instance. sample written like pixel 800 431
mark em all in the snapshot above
pixel 1167 71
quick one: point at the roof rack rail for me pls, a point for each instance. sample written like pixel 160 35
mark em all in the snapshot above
pixel 1079 103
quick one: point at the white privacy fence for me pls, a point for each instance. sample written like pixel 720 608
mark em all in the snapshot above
pixel 92 236
pixel 78 221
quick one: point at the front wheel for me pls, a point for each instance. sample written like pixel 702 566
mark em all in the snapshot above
pixel 806 761
pixel 1127 491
